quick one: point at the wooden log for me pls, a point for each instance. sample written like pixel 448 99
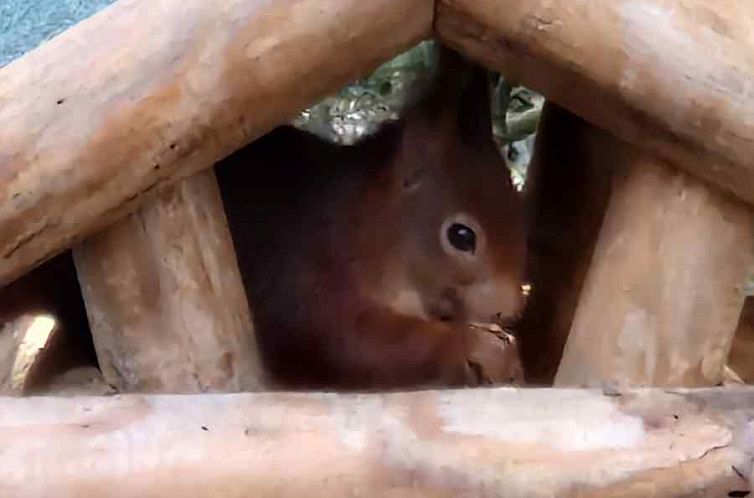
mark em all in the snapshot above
pixel 166 305
pixel 43 329
pixel 149 90
pixel 662 297
pixel 486 442
pixel 38 356
pixel 741 360
pixel 23 342
pixel 673 76
pixel 567 192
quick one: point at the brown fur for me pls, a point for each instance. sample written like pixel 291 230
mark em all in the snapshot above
pixel 341 248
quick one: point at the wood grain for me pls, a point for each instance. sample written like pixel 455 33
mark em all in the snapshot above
pixel 485 442
pixel 147 91
pixel 665 288
pixel 166 305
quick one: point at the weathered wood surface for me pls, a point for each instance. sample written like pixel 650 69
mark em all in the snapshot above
pixel 673 76
pixel 665 289
pixel 486 442
pixel 164 296
pixel 150 90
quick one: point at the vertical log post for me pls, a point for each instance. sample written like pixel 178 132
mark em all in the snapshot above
pixel 741 359
pixel 662 298
pixel 567 191
pixel 43 330
pixel 22 342
pixel 164 296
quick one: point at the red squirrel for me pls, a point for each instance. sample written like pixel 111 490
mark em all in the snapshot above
pixel 365 265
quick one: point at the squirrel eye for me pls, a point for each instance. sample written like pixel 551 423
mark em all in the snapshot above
pixel 462 237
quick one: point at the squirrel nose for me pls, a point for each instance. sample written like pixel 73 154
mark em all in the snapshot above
pixel 448 308
pixel 501 297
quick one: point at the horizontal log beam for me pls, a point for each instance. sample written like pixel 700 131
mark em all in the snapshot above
pixel 147 91
pixel 484 442
pixel 673 76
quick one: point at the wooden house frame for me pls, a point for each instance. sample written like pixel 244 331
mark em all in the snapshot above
pixel 109 132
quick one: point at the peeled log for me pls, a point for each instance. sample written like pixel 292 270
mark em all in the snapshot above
pixel 485 442
pixel 673 76
pixel 166 305
pixel 662 297
pixel 150 90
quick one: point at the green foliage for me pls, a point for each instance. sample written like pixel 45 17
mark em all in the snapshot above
pixel 360 109
pixel 515 118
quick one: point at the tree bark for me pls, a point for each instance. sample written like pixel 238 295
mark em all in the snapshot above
pixel 673 76
pixel 166 305
pixel 486 442
pixel 147 91
pixel 665 288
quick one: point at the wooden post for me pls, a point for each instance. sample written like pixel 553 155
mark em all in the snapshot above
pixel 23 341
pixel 662 297
pixel 43 330
pixel 741 359
pixel 147 91
pixel 567 191
pixel 673 76
pixel 166 304
pixel 485 442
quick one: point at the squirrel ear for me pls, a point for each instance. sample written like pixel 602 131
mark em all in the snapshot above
pixel 457 106
pixel 461 92
pixel 444 95
pixel 474 110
